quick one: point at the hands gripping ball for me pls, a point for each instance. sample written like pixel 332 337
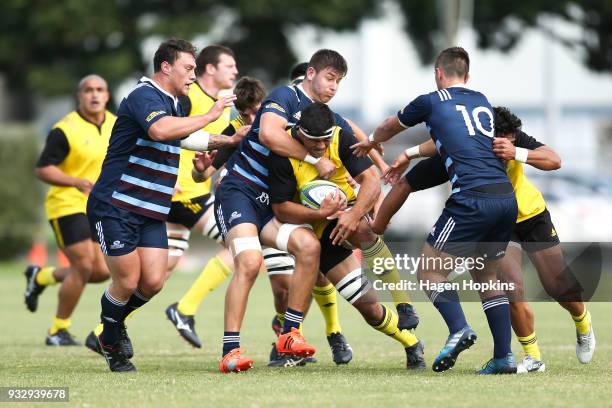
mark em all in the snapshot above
pixel 313 193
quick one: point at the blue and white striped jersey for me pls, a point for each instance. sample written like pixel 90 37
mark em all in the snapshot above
pixel 138 173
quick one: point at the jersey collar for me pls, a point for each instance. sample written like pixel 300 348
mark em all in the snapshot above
pixel 154 84
pixel 458 86
pixel 301 88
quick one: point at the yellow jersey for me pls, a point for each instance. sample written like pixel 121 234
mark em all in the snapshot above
pixel 528 198
pixel 83 149
pixel 288 175
pixel 200 103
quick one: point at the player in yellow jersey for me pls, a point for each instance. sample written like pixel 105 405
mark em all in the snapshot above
pixel 70 162
pixel 321 138
pixel 534 233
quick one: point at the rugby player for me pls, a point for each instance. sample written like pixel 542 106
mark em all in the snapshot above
pixel 478 216
pixel 70 162
pixel 316 130
pixel 534 232
pixel 279 264
pixel 129 204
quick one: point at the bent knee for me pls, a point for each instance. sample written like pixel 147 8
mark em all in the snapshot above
pixel 307 245
pixel 247 264
pixel 151 287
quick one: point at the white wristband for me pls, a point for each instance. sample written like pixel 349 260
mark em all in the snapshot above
pixel 311 160
pixel 413 152
pixel 371 137
pixel 196 141
pixel 521 154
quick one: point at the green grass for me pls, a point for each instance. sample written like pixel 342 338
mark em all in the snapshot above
pixel 171 373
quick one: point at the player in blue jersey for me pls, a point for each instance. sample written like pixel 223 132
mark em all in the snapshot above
pixel 480 213
pixel 243 213
pixel 128 205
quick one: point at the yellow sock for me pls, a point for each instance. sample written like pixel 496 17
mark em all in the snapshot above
pixel 45 277
pixel 325 296
pixel 530 345
pixel 583 322
pixel 212 276
pixel 281 319
pixel 59 324
pixel 389 327
pixel 132 313
pixel 373 256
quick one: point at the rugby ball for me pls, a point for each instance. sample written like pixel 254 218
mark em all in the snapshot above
pixel 314 192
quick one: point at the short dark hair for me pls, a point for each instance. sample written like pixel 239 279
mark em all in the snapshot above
pixel 210 55
pixel 298 70
pixel 328 59
pixel 506 121
pixel 169 51
pixel 249 93
pixel 454 61
pixel 316 118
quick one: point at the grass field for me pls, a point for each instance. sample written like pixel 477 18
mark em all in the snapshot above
pixel 171 373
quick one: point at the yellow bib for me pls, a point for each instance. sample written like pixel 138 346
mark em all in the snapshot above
pixel 200 104
pixel 306 172
pixel 528 197
pixel 88 146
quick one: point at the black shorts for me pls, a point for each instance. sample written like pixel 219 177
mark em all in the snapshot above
pixel 71 229
pixel 331 255
pixel 189 212
pixel 536 233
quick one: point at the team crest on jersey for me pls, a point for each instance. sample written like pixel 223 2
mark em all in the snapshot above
pixel 275 106
pixel 553 233
pixel 153 115
pixel 297 115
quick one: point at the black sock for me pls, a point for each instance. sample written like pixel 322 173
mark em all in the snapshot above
pixel 231 340
pixel 447 303
pixel 112 318
pixel 497 310
pixel 134 302
pixel 293 318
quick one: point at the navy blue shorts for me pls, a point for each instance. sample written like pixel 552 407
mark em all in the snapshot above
pixel 238 202
pixel 120 231
pixel 475 223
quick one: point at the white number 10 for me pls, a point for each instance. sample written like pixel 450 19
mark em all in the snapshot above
pixel 477 111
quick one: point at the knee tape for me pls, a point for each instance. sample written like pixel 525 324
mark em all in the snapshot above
pixel 278 262
pixel 285 230
pixel 353 286
pixel 244 244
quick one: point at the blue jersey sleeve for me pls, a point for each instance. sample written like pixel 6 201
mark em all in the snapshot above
pixel 147 107
pixel 279 102
pixel 415 112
